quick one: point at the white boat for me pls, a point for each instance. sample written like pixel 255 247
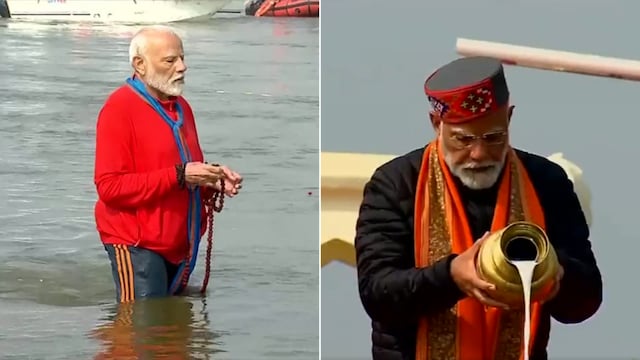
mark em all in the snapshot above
pixel 113 11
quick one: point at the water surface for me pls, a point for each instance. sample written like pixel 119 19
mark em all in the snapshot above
pixel 253 85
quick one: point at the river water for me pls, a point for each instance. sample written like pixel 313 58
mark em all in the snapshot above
pixel 253 84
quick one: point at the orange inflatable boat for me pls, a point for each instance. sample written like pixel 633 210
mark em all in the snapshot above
pixel 283 8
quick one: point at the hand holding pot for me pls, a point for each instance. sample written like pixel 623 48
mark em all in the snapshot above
pixel 556 285
pixel 464 273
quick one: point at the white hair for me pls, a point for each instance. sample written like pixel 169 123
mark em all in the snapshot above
pixel 138 45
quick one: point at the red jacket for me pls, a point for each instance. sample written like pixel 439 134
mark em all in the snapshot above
pixel 140 202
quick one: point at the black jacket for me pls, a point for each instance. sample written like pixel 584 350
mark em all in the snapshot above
pixel 395 293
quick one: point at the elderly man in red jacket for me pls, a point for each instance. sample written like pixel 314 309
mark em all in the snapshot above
pixel 150 174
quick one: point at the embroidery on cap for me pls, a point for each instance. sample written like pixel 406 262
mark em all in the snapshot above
pixel 479 102
pixel 438 106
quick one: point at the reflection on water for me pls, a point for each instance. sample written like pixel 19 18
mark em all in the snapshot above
pixel 167 328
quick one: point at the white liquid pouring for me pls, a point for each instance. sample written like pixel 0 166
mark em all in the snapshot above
pixel 525 270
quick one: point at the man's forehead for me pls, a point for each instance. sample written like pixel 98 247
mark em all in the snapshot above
pixel 471 130
pixel 164 51
pixel 498 121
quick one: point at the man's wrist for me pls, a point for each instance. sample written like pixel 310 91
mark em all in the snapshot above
pixel 180 175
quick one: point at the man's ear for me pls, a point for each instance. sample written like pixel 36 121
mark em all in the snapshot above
pixel 435 122
pixel 511 112
pixel 139 65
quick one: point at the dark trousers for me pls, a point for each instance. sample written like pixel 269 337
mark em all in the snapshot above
pixel 139 273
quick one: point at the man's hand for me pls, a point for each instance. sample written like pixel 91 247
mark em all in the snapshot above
pixel 556 286
pixel 463 272
pixel 232 182
pixel 201 174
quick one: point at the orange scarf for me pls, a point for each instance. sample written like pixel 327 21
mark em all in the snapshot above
pixel 468 331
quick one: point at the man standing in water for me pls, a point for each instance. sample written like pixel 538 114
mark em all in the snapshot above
pixel 150 175
pixel 424 215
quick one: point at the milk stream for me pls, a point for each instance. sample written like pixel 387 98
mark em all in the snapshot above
pixel 525 269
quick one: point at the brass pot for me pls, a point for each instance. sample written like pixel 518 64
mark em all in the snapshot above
pixel 518 241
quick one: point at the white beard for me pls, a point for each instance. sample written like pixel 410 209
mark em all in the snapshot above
pixel 474 179
pixel 171 87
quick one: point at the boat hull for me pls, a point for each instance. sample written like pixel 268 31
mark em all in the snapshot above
pixel 283 8
pixel 114 11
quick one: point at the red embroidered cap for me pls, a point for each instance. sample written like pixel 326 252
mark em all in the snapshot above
pixel 467 88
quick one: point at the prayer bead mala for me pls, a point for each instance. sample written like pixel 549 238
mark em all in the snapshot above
pixel 212 205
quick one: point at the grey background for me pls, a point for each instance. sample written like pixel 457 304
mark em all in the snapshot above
pixel 375 57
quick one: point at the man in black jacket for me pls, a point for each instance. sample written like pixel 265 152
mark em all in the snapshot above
pixel 416 254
